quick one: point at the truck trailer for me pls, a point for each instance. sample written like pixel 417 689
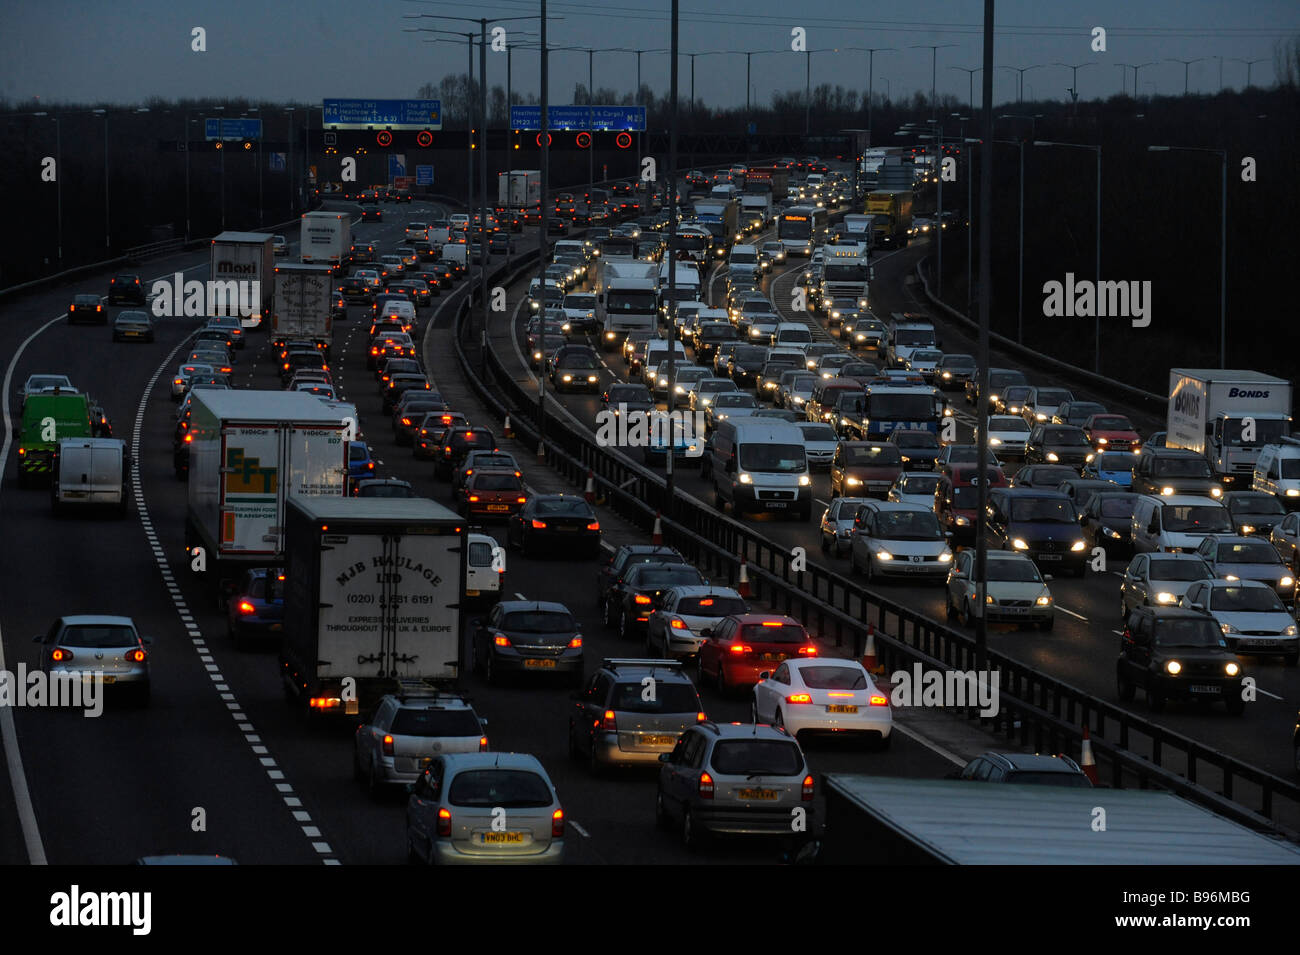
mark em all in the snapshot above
pixel 303 304
pixel 240 271
pixel 373 591
pixel 892 209
pixel 1228 416
pixel 326 238
pixel 627 298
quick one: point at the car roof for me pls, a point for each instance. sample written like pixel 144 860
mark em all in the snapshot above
pixel 546 606
pixel 1049 493
pixel 1252 584
pixel 1240 539
pixel 747 618
pixel 1184 499
pixel 1033 762
pixel 745 731
pixel 85 619
pixel 460 762
pixel 1181 613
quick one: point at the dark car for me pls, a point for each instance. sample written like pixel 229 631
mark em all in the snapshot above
pixel 126 289
pixel 528 636
pixel 382 487
pixel 953 371
pixel 87 308
pixel 609 580
pixel 640 591
pixel 1081 490
pixel 256 606
pixel 1107 521
pixel 1025 769
pixel 621 397
pixel 999 378
pixel 396 366
pixel 918 448
pixel 1043 475
pixel 409 412
pixel 1254 512
pixel 1077 412
pixel 399 384
pixel 550 524
pixel 708 336
pixel 355 290
pixel 864 469
pixel 360 253
pixel 556 226
pixel 417 292
pixel 492 492
pixel 456 444
pixel 372 214
pixel 1175 653
pixel 1058 444
pixel 614 722
pixel 430 280
pixel 1174 471
pixel 957 498
pixel 1040 523
pixel 576 368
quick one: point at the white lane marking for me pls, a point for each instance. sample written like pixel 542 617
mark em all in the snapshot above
pixel 581 831
pixel 1072 613
pixel 607 545
pixel 520 597
pixel 913 734
pixel 178 600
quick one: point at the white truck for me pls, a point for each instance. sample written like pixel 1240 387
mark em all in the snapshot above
pixel 239 270
pixel 846 273
pixel 759 205
pixel 857 225
pixel 250 451
pixel 457 252
pixel 1228 416
pixel 627 298
pixel 303 300
pixel 519 189
pixel 373 590
pixel 326 238
pixel 721 217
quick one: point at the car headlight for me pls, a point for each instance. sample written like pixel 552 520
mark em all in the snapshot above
pixel 1231 669
pixel 1040 417
pixel 1113 534
pixel 853 482
pixel 1044 601
pixel 1216 492
pixel 995 441
pixel 1051 456
pixel 591 379
pixel 947 374
pixel 1228 628
pixel 988 599
pixel 805 480
pixel 1174 667
pixel 963 522
pixel 745 479
pixel 835 314
pixel 1289 631
pixel 1293 492
pixel 1166 491
pixel 1019 544
pixel 537 355
pixel 1231 577
pixel 1286 582
pixel 884 555
pixel 945 557
pixel 1088 458
pixel 1247 529
pixel 1078 546
pixel 610 336
pixel 568 378
pixel 1164 597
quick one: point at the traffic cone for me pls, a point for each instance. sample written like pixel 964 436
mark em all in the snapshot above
pixel 869 661
pixel 742 585
pixel 657 536
pixel 590 493
pixel 506 429
pixel 1086 761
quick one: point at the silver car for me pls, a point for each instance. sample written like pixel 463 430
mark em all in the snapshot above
pixel 631 711
pixel 406 732
pixel 819 444
pixel 1159 580
pixel 1248 558
pixel 902 539
pixel 1250 615
pixel 676 629
pixel 83 645
pixel 493 808
pixel 915 487
pixel 837 524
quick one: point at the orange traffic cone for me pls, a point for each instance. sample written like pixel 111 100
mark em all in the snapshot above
pixel 869 661
pixel 657 536
pixel 1086 761
pixel 742 585
pixel 590 492
pixel 506 429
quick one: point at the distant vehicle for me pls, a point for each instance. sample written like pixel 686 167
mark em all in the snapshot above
pixel 1021 768
pixel 1172 653
pixel 87 308
pixel 132 324
pixel 279 245
pixel 84 644
pixel 407 731
pixel 125 289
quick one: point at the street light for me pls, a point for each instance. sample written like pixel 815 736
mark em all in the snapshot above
pixel 288 118
pixel 1074 82
pixel 1033 121
pixel 1020 78
pixel 1020 295
pixel 970 92
pixel 871 52
pixel 934 59
pixel 1096 364
pixel 221 148
pixel 254 109
pixel 1249 64
pixel 1136 67
pixel 1186 67
pixel 1223 240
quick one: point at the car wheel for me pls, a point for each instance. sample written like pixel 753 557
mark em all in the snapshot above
pixel 593 761
pixel 662 819
pixel 966 618
pixel 778 721
pixel 753 711
pixel 690 835
pixel 949 610
pixel 489 672
pixel 1155 699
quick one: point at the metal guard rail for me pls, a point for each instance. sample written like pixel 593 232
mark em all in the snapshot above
pixel 1035 708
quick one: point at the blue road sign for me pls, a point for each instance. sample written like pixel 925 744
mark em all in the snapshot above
pixel 592 118
pixel 220 128
pixel 391 113
pixel 424 175
pixel 396 165
pixel 278 162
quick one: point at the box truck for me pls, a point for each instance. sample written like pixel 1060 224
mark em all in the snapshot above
pixel 721 217
pixel 373 590
pixel 1228 416
pixel 237 258
pixel 304 298
pixel 892 209
pixel 326 238
pixel 627 298
pixel 519 189
pixel 250 451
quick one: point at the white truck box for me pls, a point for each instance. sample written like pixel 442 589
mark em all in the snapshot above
pixel 326 238
pixel 90 471
pixel 303 300
pixel 241 257
pixel 1228 416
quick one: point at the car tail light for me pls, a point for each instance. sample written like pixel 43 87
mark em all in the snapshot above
pixel 557 824
pixel 60 655
pixel 799 698
pixel 189 438
pixel 594 526
pixel 246 607
pixel 370 465
pixel 521 500
pixel 677 623
pixel 325 702
pixel 808 651
pixel 444 822
pixel 808 787
pixel 609 724
pixel 388 745
pixel 740 648
pixel 473 498
pixel 706 786
pixel 539 525
pixel 501 640
pixel 641 600
pixel 878 700
pixel 701 716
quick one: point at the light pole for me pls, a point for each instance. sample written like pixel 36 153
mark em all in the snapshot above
pixel 254 109
pixel 1123 77
pixel 934 60
pixel 1223 239
pixel 541 242
pixel 1020 296
pixel 1074 81
pixel 1186 67
pixel 1033 121
pixel 970 299
pixel 871 52
pixel 1020 72
pixel 672 259
pixel 221 149
pixel 1096 362
pixel 970 84
pixel 1136 67
pixel 104 113
pixel 288 119
pixel 637 98
pixel 1249 64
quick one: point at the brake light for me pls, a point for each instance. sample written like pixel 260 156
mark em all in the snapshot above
pixel 501 640
pixel 60 655
pixel 388 745
pixel 705 788
pixel 808 651
pixel 878 700
pixel 557 824
pixel 189 438
pixel 246 607
pixel 370 465
pixel 740 648
pixel 539 525
pixel 575 643
pixel 700 717
pixel 594 526
pixel 677 624
pixel 641 599
pixel 799 698
pixel 444 822
pixel 807 793
pixel 609 724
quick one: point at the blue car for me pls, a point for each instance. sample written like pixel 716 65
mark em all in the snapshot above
pixel 1114 466
pixel 256 605
pixel 360 463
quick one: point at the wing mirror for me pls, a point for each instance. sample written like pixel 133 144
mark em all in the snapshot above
pixel 764 675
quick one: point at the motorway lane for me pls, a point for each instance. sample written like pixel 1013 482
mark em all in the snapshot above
pixel 1082 647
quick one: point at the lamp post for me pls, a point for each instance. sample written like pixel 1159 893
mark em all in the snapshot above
pixel 1136 67
pixel 254 109
pixel 1074 81
pixel 221 150
pixel 672 259
pixel 1020 72
pixel 1186 67
pixel 288 119
pixel 889 96
pixel 871 52
pixel 541 242
pixel 1223 239
pixel 934 59
pixel 1096 363
pixel 1249 64
pixel 970 83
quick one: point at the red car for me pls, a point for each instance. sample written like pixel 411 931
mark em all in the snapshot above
pixel 743 646
pixel 957 499
pixel 492 493
pixel 1111 432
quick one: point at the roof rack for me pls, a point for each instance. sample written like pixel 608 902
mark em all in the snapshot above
pixel 613 663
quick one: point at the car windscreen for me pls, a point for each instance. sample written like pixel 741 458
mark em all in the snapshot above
pixel 914 337
pixel 1111 422
pixel 773 631
pixel 557 507
pixel 1246 599
pixel 537 621
pixel 1043 510
pixel 581 360
pixel 496 482
pixel 1115 461
pixel 873 456
pixel 1181 467
pixel 775 458
pixel 1248 552
pixel 1051 396
pixel 386 490
pixel 1007 424
pixel 1065 438
pixel 358 452
pixel 419 721
pixel 667 698
pixel 1264 504
pixel 580 301
pixel 957 363
pixel 1121 507
pixel 1001 379
pixel 919 484
pixel 908 526
pixel 833 678
pixel 627 393
pixel 915 439
pixel 99 636
pixel 1015 571
pixel 709 605
pixel 757 757
pixel 908 407
pixel 507 788
pixel 735 400
pixel 661 577
pixel 1187 632
pixel 818 432
pixel 1197 518
pixel 1179 569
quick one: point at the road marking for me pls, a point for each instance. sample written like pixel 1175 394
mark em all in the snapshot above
pixel 934 747
pixel 1072 613
pixel 520 597
pixel 581 831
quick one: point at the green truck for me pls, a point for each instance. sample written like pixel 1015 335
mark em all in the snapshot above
pixel 892 209
pixel 48 419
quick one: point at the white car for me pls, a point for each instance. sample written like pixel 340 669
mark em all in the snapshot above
pixel 687 380
pixel 675 630
pixel 46 384
pixel 181 380
pixel 837 523
pixel 924 361
pixel 1014 591
pixel 1152 580
pixel 819 443
pixel 279 245
pixel 370 277
pixel 1042 403
pixel 1008 434
pixel 903 539
pixel 407 732
pixel 822 695
pixel 1250 614
pixel 912 487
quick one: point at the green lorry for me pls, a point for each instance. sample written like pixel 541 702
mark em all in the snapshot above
pixel 47 419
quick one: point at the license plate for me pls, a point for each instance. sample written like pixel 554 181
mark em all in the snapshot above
pixel 775 503
pixel 472 593
pixel 107 679
pixel 130 334
pixel 562 527
pixel 1252 642
pixel 540 664
pixel 841 708
pixel 763 794
pixel 498 507
pixel 658 740
pixel 351 707
pixel 1049 556
pixel 1201 688
pixel 501 838
pixel 772 657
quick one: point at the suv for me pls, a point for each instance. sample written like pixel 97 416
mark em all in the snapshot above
pixel 126 289
pixel 733 778
pixel 407 731
pixel 1176 653
pixel 1169 471
pixel 611 575
pixel 1036 769
pixel 613 723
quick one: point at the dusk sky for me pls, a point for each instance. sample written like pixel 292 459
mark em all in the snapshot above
pixel 268 50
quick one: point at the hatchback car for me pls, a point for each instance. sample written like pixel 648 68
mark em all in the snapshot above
pixel 614 721
pixel 1114 466
pixel 81 646
pixel 920 488
pixel 255 608
pixel 126 289
pixel 1111 432
pixel 492 493
pixel 87 308
pixel 823 696
pixel 555 525
pixel 528 636
pixel 1041 524
pixel 1246 558
pixel 1249 614
pixel 407 731
pixel 863 467
pixel 1014 591
pixel 837 523
pixel 1035 769
pixel 1008 435
pixel 1152 580
pixel 741 646
pixel 733 779
pixel 456 806
pixel 898 539
pixel 133 325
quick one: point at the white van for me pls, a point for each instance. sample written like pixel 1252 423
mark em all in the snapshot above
pixel 482 579
pixel 1278 473
pixel 90 471
pixel 792 335
pixel 758 464
pixel 1177 523
pixel 656 351
pixel 572 247
pixel 400 309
